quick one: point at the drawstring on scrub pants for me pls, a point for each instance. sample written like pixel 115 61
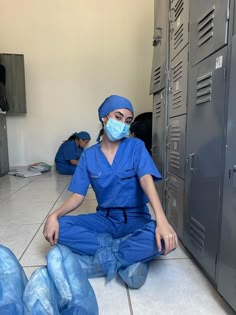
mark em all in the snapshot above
pixel 124 213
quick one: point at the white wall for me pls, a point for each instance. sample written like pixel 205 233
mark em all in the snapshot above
pixel 77 52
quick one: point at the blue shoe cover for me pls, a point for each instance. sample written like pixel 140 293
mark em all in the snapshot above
pixel 40 296
pixel 134 275
pixel 75 310
pixel 71 282
pixel 9 309
pixel 90 265
pixel 12 282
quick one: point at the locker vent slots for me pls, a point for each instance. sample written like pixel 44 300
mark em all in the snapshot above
pixel 158 109
pixel 204 89
pixel 157 75
pixel 197 234
pixel 179 34
pixel 179 7
pixel 206 26
pixel 177 75
pixel 175 138
pixel 172 194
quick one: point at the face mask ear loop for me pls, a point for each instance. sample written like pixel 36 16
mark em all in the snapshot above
pixel 101 132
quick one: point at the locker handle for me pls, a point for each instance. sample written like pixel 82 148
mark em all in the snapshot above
pixel 192 162
pixel 234 176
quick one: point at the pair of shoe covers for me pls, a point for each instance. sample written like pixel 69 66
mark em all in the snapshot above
pixel 60 288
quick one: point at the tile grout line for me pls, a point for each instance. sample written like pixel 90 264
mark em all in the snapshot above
pixel 129 300
pixel 3 200
pixel 42 223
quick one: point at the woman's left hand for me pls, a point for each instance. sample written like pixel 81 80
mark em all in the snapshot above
pixel 165 232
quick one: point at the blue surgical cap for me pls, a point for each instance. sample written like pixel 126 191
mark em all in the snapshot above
pixel 113 102
pixel 83 135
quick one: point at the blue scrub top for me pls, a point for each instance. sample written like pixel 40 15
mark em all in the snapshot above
pixel 116 185
pixel 67 151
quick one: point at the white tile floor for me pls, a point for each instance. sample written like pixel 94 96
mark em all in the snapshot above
pixel 175 285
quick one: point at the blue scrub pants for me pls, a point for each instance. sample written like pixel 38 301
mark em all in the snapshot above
pixel 109 240
pixel 66 169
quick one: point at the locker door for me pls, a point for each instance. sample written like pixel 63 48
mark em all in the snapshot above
pixel 158 75
pixel 179 84
pixel 208 27
pixel 204 151
pixel 158 138
pixel 4 164
pixel 176 145
pixel 178 26
pixel 174 205
pixel 15 82
pixel 226 266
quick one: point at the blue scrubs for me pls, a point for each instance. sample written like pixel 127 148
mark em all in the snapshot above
pixel 66 152
pixel 121 232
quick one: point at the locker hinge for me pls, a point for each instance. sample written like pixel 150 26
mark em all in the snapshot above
pixel 168 72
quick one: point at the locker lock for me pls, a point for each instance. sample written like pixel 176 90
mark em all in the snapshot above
pixel 233 170
pixel 157 37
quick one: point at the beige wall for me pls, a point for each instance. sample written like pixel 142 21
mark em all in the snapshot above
pixel 76 53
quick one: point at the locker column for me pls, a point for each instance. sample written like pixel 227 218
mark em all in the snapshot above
pixel 158 89
pixel 226 259
pixel 179 51
pixel 205 130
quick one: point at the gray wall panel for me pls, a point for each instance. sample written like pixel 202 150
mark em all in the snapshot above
pixel 4 164
pixel 15 82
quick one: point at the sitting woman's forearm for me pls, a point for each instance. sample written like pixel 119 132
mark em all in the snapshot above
pixel 73 202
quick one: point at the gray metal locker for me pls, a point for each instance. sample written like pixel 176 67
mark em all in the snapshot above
pixel 204 151
pixel 158 76
pixel 178 84
pixel 176 145
pixel 15 82
pixel 179 20
pixel 158 139
pixel 208 27
pixel 226 266
pixel 175 203
pixel 4 164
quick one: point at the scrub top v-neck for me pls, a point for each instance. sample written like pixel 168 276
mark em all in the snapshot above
pixel 116 185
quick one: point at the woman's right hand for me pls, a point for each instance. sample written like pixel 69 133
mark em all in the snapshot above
pixel 51 229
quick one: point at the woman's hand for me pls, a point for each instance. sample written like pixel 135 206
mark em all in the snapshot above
pixel 165 232
pixel 51 229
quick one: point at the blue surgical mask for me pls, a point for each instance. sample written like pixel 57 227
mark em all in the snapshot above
pixel 116 130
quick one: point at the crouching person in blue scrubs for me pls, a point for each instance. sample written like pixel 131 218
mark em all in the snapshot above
pixel 69 152
pixel 121 236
